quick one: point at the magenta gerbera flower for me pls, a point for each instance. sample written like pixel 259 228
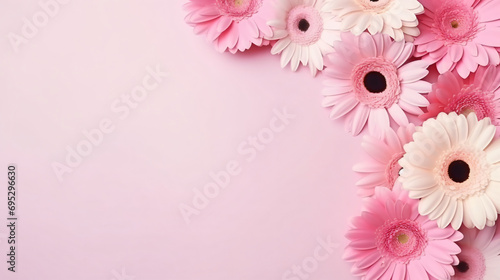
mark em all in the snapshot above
pixel 480 254
pixel 459 34
pixel 382 168
pixel 479 93
pixel 369 78
pixel 391 240
pixel 232 25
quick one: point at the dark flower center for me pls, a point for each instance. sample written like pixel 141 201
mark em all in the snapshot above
pixel 304 25
pixel 454 23
pixel 373 0
pixel 462 267
pixel 458 171
pixel 375 82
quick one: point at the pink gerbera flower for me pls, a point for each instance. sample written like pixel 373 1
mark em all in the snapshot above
pixel 232 25
pixel 382 169
pixel 480 255
pixel 368 79
pixel 479 93
pixel 391 240
pixel 459 34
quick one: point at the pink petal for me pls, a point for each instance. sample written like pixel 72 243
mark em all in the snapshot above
pixel 398 115
pixel 444 64
pixel 368 260
pixel 378 121
pixel 405 55
pixel 434 268
pixel 493 55
pixel 377 270
pixel 414 98
pixel 343 107
pixel 489 37
pixel 417 271
pixel 223 24
pixel 360 118
pixel 407 107
pixel 413 71
pixel 439 255
pixel 367 45
pixel 368 166
pixel 399 272
pixel 420 86
pixel 456 53
pixel 482 56
pixel 373 179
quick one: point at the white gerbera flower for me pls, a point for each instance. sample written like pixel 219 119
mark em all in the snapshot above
pixel 453 166
pixel 305 31
pixel 396 18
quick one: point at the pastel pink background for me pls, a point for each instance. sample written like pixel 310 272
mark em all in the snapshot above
pixel 118 211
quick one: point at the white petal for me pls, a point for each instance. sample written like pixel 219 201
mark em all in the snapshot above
pixel 438 212
pixel 459 214
pixel 495 173
pixel 448 214
pixel 475 210
pixel 493 192
pixel 281 45
pixel 287 55
pixel 493 152
pixel 431 202
pixel 296 58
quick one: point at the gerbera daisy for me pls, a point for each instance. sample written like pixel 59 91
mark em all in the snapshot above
pixel 382 169
pixel 396 18
pixel 480 255
pixel 232 25
pixel 459 34
pixel 454 168
pixel 368 80
pixel 305 32
pixel 478 93
pixel 390 240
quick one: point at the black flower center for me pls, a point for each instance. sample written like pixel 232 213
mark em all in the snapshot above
pixel 375 82
pixel 304 25
pixel 462 267
pixel 458 171
pixel 373 0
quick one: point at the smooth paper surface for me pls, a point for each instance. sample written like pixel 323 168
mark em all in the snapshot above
pixel 140 152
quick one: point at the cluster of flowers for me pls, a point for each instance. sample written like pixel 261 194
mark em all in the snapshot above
pixel 431 188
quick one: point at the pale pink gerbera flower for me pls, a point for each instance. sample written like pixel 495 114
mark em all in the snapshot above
pixel 369 78
pixel 391 240
pixel 479 93
pixel 396 18
pixel 453 167
pixel 305 32
pixel 232 25
pixel 480 256
pixel 382 169
pixel 459 34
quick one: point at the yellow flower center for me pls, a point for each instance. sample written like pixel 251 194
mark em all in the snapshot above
pixel 403 238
